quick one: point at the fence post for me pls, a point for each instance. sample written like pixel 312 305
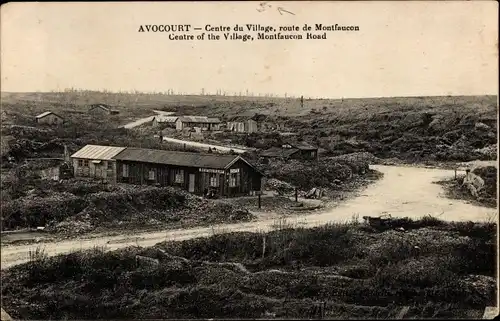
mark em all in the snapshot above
pixel 455 174
pixel 296 195
pixel 259 201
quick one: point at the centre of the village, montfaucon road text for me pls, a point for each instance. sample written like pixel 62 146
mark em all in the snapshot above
pixel 246 32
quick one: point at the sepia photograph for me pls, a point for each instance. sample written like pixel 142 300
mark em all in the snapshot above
pixel 249 160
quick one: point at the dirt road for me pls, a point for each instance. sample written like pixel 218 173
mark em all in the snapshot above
pixel 144 120
pixel 202 145
pixel 403 191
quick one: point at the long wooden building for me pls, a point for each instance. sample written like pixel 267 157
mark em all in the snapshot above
pixel 198 173
pixel 226 175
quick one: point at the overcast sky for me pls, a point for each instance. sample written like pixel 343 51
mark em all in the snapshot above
pixel 402 48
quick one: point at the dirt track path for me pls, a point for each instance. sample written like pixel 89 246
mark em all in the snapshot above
pixel 403 191
pixel 203 145
pixel 144 120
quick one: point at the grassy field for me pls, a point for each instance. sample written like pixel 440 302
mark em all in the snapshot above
pixel 417 129
pixel 234 105
pixel 334 271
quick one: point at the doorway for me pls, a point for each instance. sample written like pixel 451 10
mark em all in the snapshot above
pixel 191 183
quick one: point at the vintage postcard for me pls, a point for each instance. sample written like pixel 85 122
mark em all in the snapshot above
pixel 253 159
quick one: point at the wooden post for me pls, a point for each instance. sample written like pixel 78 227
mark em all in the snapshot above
pixel 455 174
pixel 259 202
pixel 402 313
pixel 296 195
pixel 263 246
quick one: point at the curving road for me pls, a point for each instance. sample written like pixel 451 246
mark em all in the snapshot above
pixel 140 121
pixel 403 191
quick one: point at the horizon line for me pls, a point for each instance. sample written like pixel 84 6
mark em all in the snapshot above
pixel 275 96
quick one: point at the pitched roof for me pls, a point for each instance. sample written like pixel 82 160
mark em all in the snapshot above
pixel 279 152
pixel 46 114
pixel 166 119
pixel 103 107
pixel 241 118
pixel 302 146
pixel 155 156
pixel 198 119
pixel 98 152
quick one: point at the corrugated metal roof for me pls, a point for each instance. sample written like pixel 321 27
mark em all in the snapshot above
pixel 103 106
pixel 166 119
pixel 303 146
pixel 198 119
pixel 168 157
pixel 98 152
pixel 241 119
pixel 279 152
pixel 45 114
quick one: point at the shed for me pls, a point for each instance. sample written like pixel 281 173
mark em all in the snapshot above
pixel 96 161
pixel 5 144
pixel 205 123
pixel 299 150
pixel 198 173
pixel 242 124
pixel 102 109
pixel 49 117
pixel 277 152
pixel 164 121
pixel 306 150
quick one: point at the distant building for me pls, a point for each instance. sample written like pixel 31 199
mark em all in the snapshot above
pixel 203 122
pixel 300 150
pixel 95 161
pixel 242 125
pixel 49 117
pixel 102 109
pixel 164 121
pixel 5 144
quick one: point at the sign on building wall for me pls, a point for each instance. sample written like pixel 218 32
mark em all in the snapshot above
pixel 209 170
pixel 234 170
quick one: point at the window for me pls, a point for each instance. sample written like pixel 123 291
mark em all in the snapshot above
pixel 86 162
pixel 110 165
pixel 125 170
pixel 179 176
pixel 80 163
pixel 214 180
pixel 234 180
pixel 152 174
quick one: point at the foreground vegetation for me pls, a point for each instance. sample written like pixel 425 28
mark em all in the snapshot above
pixel 348 270
pixel 75 207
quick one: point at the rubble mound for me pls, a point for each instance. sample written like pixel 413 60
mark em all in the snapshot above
pixel 306 175
pixel 280 186
pixel 124 205
pixel 489 176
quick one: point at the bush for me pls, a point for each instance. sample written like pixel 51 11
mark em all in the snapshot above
pixel 310 266
pixel 307 175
